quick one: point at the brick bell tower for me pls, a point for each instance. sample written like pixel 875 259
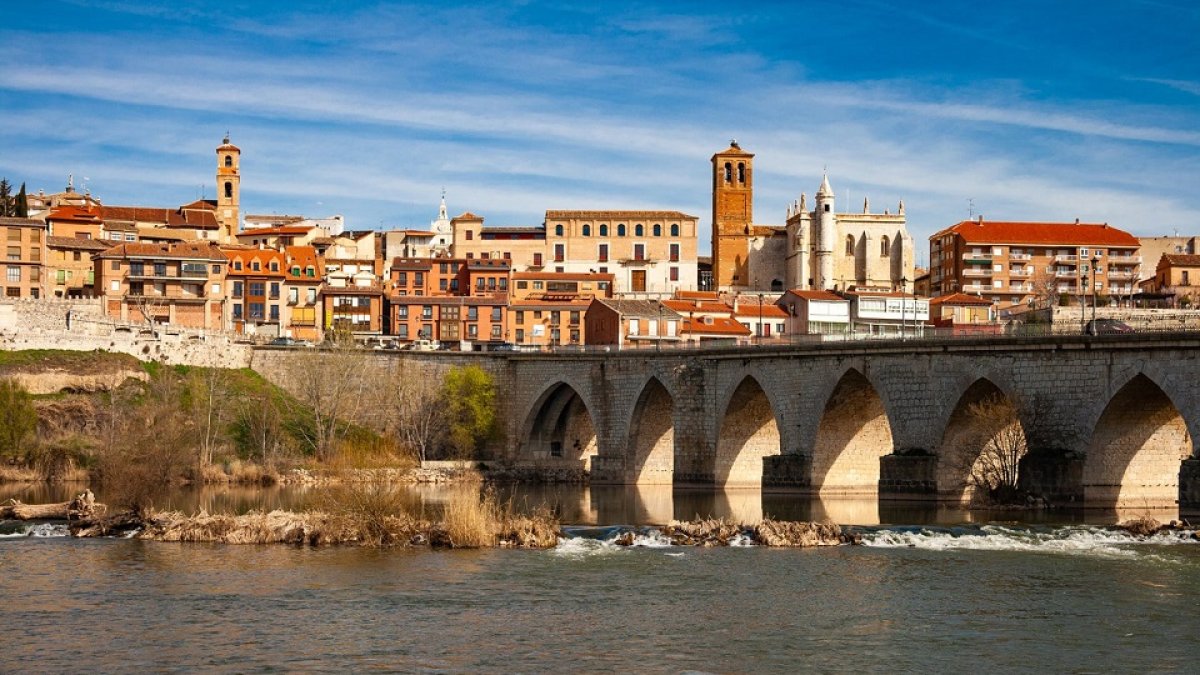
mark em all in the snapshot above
pixel 733 211
pixel 229 186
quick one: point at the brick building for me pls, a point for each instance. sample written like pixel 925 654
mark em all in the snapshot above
pixel 24 253
pixel 180 284
pixel 1014 263
pixel 255 278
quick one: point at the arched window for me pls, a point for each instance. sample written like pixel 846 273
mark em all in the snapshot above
pixel 728 172
pixel 620 229
pixel 741 172
pixel 587 230
pixel 674 229
pixel 558 230
pixel 639 231
pixel 657 230
pixel 603 230
pixel 229 191
pixel 885 247
pixel 849 244
pixel 228 160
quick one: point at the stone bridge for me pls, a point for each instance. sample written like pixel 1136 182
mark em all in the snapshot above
pixel 1109 420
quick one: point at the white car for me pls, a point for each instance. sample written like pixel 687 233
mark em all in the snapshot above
pixel 424 346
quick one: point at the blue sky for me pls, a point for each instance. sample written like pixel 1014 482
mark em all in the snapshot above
pixel 1025 110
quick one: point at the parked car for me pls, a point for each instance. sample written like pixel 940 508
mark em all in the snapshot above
pixel 424 345
pixel 283 342
pixel 1107 327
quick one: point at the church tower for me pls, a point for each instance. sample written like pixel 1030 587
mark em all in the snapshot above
pixel 229 185
pixel 826 235
pixel 733 211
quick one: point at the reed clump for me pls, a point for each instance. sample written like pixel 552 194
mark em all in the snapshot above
pixel 482 520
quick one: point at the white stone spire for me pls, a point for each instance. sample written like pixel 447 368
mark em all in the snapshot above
pixel 825 190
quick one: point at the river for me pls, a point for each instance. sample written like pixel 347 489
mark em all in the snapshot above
pixel 932 590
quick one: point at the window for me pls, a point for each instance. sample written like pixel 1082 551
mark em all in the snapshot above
pixel 537 259
pixel 885 247
pixel 257 310
pixel 14 273
pixel 312 295
pixel 826 208
pixel 538 285
pixel 741 172
pixel 849 244
pixel 639 251
pixel 479 282
pixel 237 289
pixel 604 230
pixel 310 271
pixel 403 332
pixel 657 230
pixel 1184 280
pixel 442 284
pixel 160 269
pixel 520 335
pixel 427 312
pixel 274 265
pixel 228 160
pixel 633 327
pixel 257 289
pixel 274 290
pixel 639 231
pixel 419 278
pixel 472 313
pixel 491 283
pixel 495 332
pixel 674 252
pixel 674 229
pixel 274 312
pixel 472 330
pixel 293 295
pixel 115 266
pixel 14 252
pixel 228 190
pixel 728 172
pixel 495 314
pixel 520 316
pixel 587 230
pixel 504 283
pixel 558 230
pixel 575 317
pixel 779 328
pixel 402 278
pixel 620 229
pixel 237 310
pixel 603 256
pixel 470 235
pixel 559 252
pixel 674 274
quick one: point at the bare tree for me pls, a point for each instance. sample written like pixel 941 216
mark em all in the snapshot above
pixel 209 392
pixel 994 472
pixel 331 385
pixel 258 427
pixel 421 419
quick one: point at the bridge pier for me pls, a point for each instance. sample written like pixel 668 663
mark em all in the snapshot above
pixel 1189 485
pixel 1055 475
pixel 908 477
pixel 787 471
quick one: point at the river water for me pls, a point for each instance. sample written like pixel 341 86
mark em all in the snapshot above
pixel 932 590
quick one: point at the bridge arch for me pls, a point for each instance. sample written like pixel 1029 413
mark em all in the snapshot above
pixel 853 434
pixel 559 428
pixel 1137 444
pixel 747 431
pixel 651 445
pixel 982 444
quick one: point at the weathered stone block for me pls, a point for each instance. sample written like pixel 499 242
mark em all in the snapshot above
pixel 907 476
pixel 787 471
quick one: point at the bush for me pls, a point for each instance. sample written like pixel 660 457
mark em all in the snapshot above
pixel 18 419
pixel 469 395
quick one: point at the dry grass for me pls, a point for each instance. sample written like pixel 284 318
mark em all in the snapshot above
pixel 240 473
pixel 1143 526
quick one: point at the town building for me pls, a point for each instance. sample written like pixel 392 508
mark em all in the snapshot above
pixel 432 243
pixel 649 253
pixel 255 279
pixel 70 270
pixel 302 286
pixel 817 248
pixel 1177 275
pixel 547 309
pixel 961 313
pixel 632 323
pixel 1033 263
pixel 886 312
pixel 812 312
pixel 458 301
pixel 180 284
pixel 24 252
pixel 712 331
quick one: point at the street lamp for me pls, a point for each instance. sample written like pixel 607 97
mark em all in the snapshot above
pixel 1096 277
pixel 760 326
pixel 903 312
pixel 1083 302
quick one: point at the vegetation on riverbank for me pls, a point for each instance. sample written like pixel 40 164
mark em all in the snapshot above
pixel 140 428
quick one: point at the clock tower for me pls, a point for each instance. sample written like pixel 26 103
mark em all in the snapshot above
pixel 229 185
pixel 733 211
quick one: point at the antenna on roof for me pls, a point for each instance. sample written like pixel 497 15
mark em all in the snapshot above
pixel 970 208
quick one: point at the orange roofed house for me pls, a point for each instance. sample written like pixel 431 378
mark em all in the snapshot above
pixel 179 284
pixel 1012 263
pixel 256 298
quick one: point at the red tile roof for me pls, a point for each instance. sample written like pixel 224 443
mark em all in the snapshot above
pixel 191 249
pixel 303 256
pixel 817 295
pixel 264 257
pixel 768 311
pixel 467 215
pixel 564 276
pixel 697 295
pixel 282 229
pixel 719 325
pixel 202 217
pixel 961 300
pixel 1052 234
pixel 1181 259
pixel 71 213
pixel 692 307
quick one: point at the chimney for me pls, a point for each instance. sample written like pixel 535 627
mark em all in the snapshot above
pixel 980 219
pixel 1076 221
pixel 735 303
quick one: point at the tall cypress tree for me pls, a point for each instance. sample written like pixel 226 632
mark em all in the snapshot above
pixel 22 203
pixel 7 205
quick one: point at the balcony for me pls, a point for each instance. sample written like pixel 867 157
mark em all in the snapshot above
pixel 1063 272
pixel 977 272
pixel 1121 275
pixel 146 274
pixel 1067 259
pixel 637 262
pixel 1124 260
pixel 986 257
pixel 1019 256
pixel 1020 272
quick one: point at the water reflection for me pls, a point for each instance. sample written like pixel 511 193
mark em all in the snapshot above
pixel 612 504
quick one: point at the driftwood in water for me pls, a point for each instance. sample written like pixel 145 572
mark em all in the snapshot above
pixel 107 526
pixel 81 507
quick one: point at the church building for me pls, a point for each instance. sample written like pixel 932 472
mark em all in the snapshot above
pixel 817 249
